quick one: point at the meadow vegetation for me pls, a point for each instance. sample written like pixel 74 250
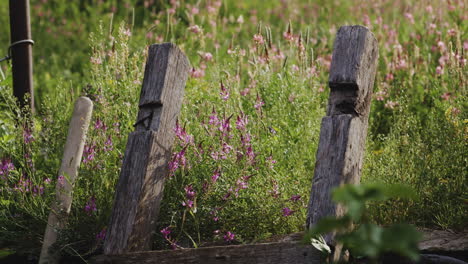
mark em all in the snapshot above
pixel 247 135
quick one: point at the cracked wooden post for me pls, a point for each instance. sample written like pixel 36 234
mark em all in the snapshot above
pixel 343 132
pixel 145 165
pixel 68 173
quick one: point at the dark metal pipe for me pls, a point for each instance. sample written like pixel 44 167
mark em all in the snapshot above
pixel 21 53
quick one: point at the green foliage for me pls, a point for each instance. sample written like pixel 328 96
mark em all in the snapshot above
pixel 368 239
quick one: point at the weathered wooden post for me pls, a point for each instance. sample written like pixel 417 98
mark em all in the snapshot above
pixel 344 129
pixel 21 52
pixel 145 165
pixel 67 175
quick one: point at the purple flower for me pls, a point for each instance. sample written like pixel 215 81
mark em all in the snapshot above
pixel 215 155
pixel 250 154
pixel 89 152
pixel 182 134
pixel 245 140
pixel 101 235
pixel 108 144
pixel 295 198
pixel 188 203
pixel 225 126
pixel 259 103
pixel 227 195
pixel 100 125
pixel 215 176
pixel 91 205
pixel 275 191
pixel 178 160
pixel 229 236
pixel 6 166
pixel 166 232
pixel 189 192
pixel 227 148
pixel 61 180
pixel 213 118
pixel 242 121
pixel 224 92
pixel 242 184
pixel 287 211
pixel 214 213
pixel 27 136
pixel 271 161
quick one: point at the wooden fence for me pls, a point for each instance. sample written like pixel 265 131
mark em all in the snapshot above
pixel 140 187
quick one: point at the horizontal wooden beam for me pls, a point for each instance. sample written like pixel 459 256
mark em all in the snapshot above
pixel 267 253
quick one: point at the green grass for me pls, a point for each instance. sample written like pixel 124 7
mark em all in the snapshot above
pixel 417 134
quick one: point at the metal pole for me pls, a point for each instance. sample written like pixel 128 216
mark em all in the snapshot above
pixel 21 52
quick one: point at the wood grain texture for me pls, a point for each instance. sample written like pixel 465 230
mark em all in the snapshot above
pixel 285 250
pixel 343 131
pixel 140 187
pixel 268 253
pixel 71 161
pixel 352 71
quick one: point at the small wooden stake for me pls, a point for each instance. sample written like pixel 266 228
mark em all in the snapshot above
pixel 67 175
pixel 20 28
pixel 145 165
pixel 344 129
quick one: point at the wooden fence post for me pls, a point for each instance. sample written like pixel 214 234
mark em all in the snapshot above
pixel 67 175
pixel 145 165
pixel 21 52
pixel 343 131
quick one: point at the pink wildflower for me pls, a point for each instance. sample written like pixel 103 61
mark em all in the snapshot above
pixel 213 120
pixel 445 96
pixel 259 103
pixel 258 38
pixel 410 17
pixel 242 121
pixel 188 203
pixel 189 192
pixel 295 198
pixel 166 232
pixel 197 73
pixel 215 176
pixel 91 205
pixel 439 70
pixel 195 29
pixel 287 211
pixel 229 236
pixel 224 92
pixel 101 235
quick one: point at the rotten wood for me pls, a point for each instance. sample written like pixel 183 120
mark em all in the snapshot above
pixel 21 54
pixel 343 131
pixel 145 165
pixel 268 253
pixel 68 173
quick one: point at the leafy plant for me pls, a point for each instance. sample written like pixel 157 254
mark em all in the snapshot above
pixel 367 239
